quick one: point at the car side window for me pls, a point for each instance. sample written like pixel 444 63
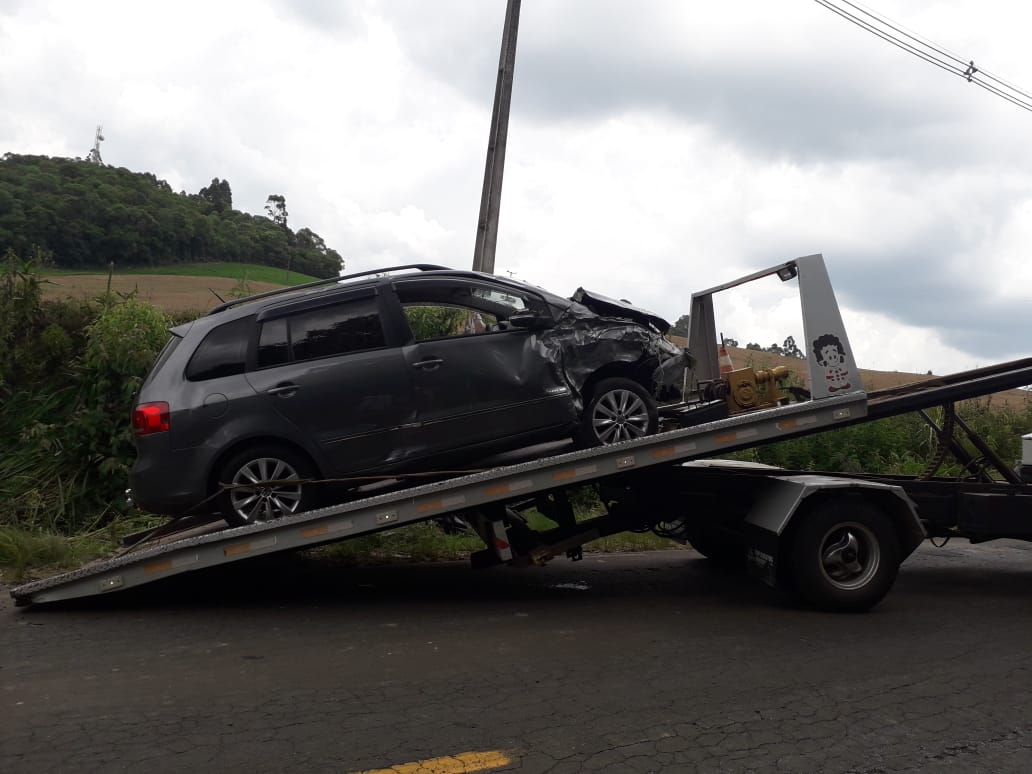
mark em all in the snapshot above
pixel 223 352
pixel 438 321
pixel 446 309
pixel 324 331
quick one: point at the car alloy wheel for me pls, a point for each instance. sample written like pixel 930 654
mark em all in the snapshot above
pixel 265 483
pixel 620 410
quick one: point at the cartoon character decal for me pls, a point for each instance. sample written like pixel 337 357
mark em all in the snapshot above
pixel 831 356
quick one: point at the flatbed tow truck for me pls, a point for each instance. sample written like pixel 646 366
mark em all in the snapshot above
pixel 837 539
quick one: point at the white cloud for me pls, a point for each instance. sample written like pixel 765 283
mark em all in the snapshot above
pixel 653 150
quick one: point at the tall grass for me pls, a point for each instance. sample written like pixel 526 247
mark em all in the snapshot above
pixel 68 373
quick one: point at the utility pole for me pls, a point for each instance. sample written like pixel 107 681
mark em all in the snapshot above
pixel 490 199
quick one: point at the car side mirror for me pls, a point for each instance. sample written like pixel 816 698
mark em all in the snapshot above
pixel 530 320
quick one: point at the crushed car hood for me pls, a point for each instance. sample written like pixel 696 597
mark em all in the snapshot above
pixel 610 307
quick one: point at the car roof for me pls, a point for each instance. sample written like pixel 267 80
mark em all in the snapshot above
pixel 331 285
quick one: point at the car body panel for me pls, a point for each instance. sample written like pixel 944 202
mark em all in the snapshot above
pixel 487 386
pixel 358 408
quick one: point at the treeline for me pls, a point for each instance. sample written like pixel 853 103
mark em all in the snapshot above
pixel 87 216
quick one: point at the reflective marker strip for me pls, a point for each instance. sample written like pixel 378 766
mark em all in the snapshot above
pixel 670 451
pixel 246 548
pixel 386 517
pixel 736 436
pixel 445 502
pixel 512 486
pixel 108 584
pixel 788 424
pixel 326 529
pixel 566 475
pixel 463 763
pixel 170 564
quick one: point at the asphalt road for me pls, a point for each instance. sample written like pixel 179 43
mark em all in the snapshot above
pixel 628 663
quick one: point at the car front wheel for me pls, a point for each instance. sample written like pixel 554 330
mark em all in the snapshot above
pixel 620 409
pixel 264 483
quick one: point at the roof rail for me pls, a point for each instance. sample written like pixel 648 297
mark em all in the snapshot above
pixel 327 281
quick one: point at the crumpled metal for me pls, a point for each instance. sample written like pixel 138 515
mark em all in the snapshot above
pixel 582 341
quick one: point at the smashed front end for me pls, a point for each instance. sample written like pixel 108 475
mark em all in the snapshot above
pixel 594 334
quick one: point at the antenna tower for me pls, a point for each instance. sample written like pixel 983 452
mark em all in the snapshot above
pixel 94 155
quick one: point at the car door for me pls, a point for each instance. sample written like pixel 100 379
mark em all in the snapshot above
pixel 328 368
pixel 477 379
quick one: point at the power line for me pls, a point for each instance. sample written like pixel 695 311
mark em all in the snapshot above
pixel 929 43
pixel 930 52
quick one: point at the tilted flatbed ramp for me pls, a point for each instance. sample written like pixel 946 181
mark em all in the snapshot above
pixel 150 563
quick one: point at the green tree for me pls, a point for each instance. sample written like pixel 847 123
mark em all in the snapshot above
pixel 219 194
pixel 680 328
pixel 276 209
pixel 791 349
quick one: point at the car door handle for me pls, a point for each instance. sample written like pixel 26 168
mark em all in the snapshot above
pixel 428 364
pixel 284 390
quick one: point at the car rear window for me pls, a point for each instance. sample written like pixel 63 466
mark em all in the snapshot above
pixel 223 352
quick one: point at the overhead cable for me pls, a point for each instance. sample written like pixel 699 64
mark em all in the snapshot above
pixel 930 52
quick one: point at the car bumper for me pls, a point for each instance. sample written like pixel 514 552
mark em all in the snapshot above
pixel 174 483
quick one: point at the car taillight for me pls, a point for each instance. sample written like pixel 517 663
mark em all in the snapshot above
pixel 150 418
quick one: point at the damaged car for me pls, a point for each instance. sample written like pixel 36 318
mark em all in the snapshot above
pixel 404 369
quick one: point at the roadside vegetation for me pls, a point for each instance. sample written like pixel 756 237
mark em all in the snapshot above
pixel 69 370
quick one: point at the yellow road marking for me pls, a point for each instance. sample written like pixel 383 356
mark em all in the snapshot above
pixel 450 764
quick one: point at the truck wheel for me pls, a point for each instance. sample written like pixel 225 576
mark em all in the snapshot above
pixel 248 500
pixel 620 409
pixel 845 555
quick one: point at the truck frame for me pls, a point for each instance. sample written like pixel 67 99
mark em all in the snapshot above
pixel 837 539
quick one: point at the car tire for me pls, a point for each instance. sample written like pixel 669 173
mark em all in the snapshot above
pixel 241 503
pixel 845 555
pixel 619 409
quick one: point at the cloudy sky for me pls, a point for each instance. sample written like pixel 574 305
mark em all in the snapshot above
pixel 655 148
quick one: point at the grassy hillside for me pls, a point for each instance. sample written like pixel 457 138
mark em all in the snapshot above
pixel 249 272
pixel 85 216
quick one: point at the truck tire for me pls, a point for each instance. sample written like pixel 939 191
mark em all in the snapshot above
pixel 619 409
pixel 245 504
pixel 845 555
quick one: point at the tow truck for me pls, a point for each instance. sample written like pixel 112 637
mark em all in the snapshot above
pixel 838 540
